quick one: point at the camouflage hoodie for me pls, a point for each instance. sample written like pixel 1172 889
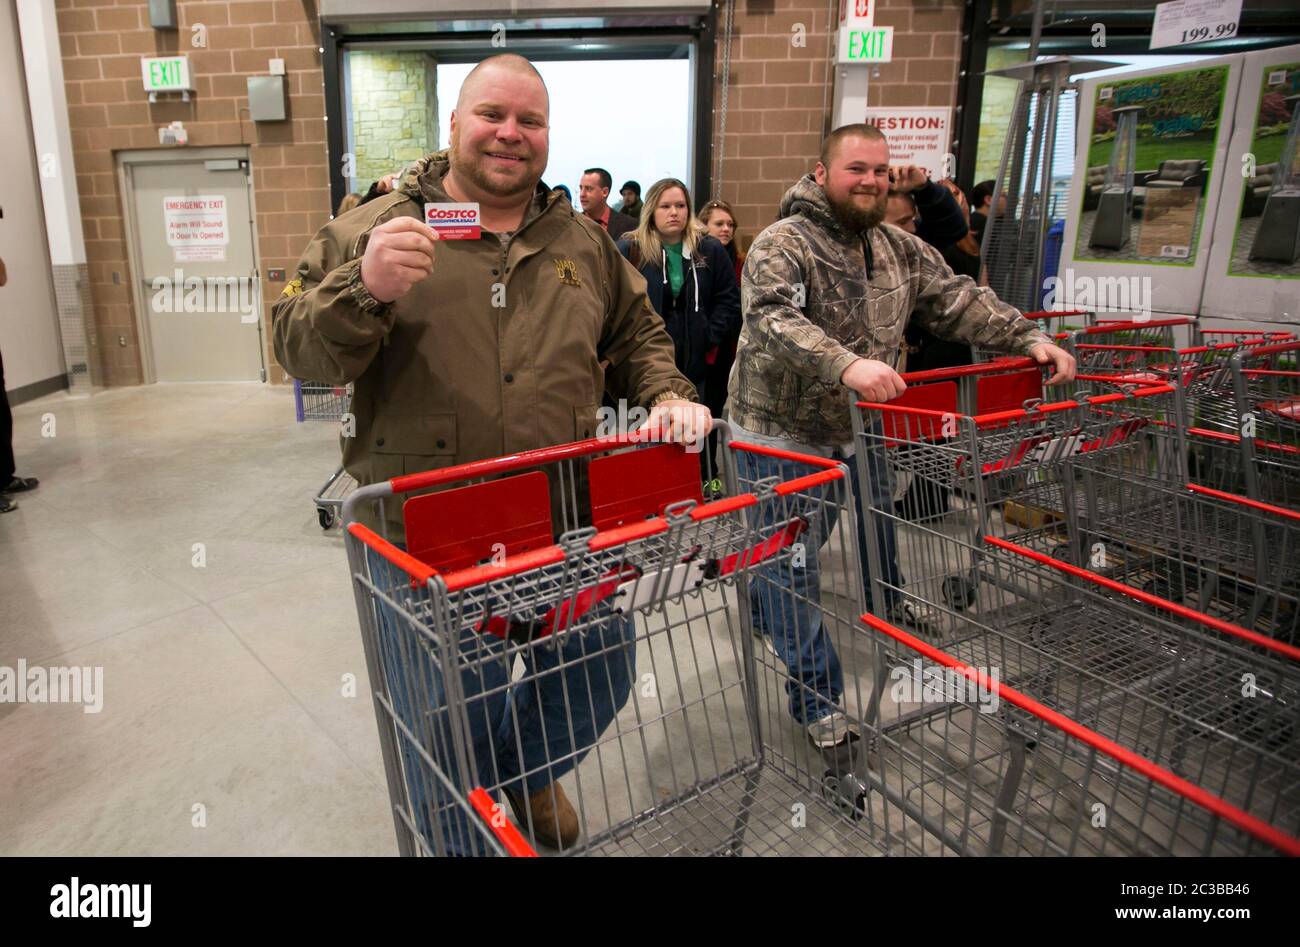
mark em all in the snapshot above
pixel 810 311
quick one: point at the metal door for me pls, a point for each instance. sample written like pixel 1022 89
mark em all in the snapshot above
pixel 196 267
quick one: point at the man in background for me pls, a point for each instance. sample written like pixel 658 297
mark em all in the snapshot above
pixel 981 205
pixel 630 205
pixel 8 482
pixel 593 194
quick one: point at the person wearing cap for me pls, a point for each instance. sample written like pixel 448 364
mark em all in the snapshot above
pixel 630 205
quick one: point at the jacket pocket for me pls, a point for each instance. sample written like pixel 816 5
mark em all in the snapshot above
pixel 415 443
pixel 586 419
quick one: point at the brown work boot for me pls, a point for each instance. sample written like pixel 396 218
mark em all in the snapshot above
pixel 554 822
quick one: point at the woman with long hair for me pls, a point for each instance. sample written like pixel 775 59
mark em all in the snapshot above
pixel 689 276
pixel 690 279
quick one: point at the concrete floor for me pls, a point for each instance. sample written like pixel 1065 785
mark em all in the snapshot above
pixel 223 685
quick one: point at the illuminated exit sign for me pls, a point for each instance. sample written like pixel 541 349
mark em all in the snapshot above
pixel 166 74
pixel 866 45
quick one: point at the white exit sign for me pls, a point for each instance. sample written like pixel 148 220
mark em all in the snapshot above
pixel 166 74
pixel 866 45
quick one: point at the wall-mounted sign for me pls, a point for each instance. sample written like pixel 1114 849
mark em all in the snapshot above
pixel 874 44
pixel 166 74
pixel 197 228
pixel 916 136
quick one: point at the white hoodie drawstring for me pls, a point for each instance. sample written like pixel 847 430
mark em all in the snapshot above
pixel 694 278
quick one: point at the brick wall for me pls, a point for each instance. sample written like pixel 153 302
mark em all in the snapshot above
pixel 779 102
pixel 108 111
pixel 778 109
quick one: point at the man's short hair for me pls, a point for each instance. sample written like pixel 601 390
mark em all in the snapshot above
pixel 605 180
pixel 631 186
pixel 513 62
pixel 980 193
pixel 860 130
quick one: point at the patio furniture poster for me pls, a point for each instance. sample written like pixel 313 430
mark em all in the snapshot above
pixel 1272 188
pixel 1169 125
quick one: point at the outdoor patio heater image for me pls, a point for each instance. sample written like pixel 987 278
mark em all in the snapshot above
pixel 1278 237
pixel 1110 229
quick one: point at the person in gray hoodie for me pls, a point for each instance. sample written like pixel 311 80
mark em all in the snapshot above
pixel 826 294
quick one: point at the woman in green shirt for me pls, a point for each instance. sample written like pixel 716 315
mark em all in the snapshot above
pixel 689 276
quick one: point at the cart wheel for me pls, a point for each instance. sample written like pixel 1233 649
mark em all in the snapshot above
pixel 326 517
pixel 959 591
pixel 846 793
pixel 1062 552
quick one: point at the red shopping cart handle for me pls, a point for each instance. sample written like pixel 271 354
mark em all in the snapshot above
pixel 565 613
pixel 961 371
pixel 1054 313
pixel 1127 325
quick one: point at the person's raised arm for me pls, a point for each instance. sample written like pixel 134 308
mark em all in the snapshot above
pixel 329 322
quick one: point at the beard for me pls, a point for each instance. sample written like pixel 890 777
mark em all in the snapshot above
pixel 855 217
pixel 471 166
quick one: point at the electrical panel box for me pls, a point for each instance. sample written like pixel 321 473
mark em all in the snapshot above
pixel 266 98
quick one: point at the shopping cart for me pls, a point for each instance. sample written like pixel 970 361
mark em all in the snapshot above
pixel 319 401
pixel 646 696
pixel 984 437
pixel 1218 552
pixel 1009 745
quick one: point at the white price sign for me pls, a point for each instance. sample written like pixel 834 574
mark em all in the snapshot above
pixel 1180 22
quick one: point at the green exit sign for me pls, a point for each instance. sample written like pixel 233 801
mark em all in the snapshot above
pixel 166 74
pixel 870 44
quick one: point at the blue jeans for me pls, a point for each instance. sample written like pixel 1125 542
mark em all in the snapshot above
pixel 521 735
pixel 785 596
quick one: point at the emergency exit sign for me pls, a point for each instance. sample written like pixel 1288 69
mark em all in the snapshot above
pixel 874 44
pixel 166 74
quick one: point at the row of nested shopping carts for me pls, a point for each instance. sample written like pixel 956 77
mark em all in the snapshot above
pixel 321 401
pixel 1103 655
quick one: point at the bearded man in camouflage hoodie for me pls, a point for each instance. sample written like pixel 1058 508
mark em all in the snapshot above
pixel 826 293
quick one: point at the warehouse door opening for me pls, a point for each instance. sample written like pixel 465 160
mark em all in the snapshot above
pixel 626 98
pixel 631 117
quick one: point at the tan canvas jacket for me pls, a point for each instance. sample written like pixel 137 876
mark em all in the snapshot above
pixel 497 351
